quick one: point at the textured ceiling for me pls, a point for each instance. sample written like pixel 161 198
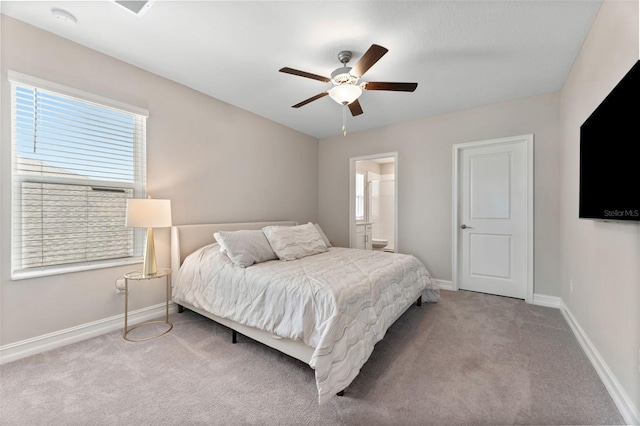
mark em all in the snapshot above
pixel 462 54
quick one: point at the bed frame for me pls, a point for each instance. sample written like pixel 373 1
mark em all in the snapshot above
pixel 185 239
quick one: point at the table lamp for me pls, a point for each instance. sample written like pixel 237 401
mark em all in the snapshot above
pixel 148 213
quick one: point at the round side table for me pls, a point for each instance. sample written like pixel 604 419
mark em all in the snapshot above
pixel 139 276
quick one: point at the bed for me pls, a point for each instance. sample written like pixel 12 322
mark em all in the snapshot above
pixel 327 309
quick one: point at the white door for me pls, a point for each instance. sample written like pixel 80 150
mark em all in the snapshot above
pixel 494 217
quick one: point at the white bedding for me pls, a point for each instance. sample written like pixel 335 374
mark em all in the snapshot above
pixel 340 302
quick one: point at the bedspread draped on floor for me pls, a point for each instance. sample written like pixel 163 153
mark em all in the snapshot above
pixel 340 302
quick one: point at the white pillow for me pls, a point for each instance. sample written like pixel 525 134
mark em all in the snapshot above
pixel 245 247
pixel 294 242
pixel 322 234
pixel 216 235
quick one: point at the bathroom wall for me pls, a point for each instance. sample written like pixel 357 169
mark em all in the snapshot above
pixel 367 166
pixel 388 168
pixel 387 171
pixel 382 206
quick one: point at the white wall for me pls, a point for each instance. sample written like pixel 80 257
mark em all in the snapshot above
pixel 215 162
pixel 602 259
pixel 424 173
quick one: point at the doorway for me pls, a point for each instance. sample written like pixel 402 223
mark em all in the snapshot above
pixel 373 205
pixel 493 216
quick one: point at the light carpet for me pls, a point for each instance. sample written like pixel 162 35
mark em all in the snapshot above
pixel 471 359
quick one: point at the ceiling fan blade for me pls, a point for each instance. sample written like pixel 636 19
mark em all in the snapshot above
pixel 311 99
pixel 369 58
pixel 288 70
pixel 355 108
pixel 396 87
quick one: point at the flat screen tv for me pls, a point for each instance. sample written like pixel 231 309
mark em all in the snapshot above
pixel 610 154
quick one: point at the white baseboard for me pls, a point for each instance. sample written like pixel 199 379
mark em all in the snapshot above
pixel 628 410
pixel 443 284
pixel 548 301
pixel 24 348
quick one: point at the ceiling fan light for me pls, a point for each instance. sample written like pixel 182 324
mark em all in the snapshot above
pixel 345 93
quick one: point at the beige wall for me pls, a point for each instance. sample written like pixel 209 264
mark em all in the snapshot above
pixel 602 259
pixel 215 162
pixel 424 173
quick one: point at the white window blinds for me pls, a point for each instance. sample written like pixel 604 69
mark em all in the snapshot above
pixel 75 162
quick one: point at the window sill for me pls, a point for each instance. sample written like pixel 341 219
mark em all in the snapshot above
pixel 65 269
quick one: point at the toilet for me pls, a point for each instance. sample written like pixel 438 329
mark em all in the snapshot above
pixel 378 244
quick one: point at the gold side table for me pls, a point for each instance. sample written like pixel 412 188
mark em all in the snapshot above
pixel 139 276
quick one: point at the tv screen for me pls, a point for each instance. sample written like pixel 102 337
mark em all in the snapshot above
pixel 609 154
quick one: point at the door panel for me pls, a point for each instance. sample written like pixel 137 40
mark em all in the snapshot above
pixel 489 179
pixel 493 209
pixel 490 255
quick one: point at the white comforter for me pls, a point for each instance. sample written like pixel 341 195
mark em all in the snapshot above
pixel 340 302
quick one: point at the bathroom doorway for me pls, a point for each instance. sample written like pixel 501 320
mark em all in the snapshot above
pixel 373 198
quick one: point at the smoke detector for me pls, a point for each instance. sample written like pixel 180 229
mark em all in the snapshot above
pixel 137 7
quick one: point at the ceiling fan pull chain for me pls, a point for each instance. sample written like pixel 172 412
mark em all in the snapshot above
pixel 344 120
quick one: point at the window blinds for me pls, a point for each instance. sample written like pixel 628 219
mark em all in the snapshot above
pixel 75 162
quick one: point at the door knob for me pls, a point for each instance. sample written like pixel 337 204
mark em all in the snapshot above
pixel 463 226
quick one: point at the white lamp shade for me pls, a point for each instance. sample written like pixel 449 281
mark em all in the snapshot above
pixel 344 94
pixel 148 213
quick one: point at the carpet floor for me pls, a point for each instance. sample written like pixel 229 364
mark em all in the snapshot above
pixel 471 359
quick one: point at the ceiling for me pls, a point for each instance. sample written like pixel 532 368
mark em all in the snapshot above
pixel 462 54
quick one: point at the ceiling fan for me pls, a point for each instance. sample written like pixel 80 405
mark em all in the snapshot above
pixel 346 90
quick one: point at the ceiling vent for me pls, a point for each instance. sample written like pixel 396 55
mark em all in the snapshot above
pixel 138 7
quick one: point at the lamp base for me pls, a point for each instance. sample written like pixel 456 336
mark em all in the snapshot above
pixel 149 266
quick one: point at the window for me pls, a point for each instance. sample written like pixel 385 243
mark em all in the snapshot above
pixel 359 196
pixel 77 158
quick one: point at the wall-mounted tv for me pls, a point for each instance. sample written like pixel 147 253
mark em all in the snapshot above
pixel 610 154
